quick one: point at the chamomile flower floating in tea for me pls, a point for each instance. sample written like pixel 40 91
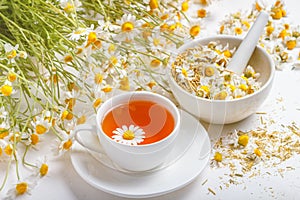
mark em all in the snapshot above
pixel 132 135
pixel 202 72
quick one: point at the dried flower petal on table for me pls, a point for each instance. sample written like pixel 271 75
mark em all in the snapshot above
pixel 265 148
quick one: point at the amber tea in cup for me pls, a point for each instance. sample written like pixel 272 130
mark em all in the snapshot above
pixel 153 119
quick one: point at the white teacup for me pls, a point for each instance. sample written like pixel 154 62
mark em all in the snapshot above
pixel 139 157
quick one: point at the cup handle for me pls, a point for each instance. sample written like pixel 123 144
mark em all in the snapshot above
pixel 86 136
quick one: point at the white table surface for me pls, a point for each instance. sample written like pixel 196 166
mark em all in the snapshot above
pixel 63 182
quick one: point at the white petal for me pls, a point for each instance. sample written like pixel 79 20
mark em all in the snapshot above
pixel 125 128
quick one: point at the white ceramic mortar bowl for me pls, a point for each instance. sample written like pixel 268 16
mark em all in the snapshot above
pixel 227 111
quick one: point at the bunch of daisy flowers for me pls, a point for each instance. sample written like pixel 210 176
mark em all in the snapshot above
pixel 280 38
pixel 60 60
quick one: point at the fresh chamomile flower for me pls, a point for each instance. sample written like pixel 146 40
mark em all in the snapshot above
pixel 80 33
pixel 132 135
pixel 65 143
pixel 41 125
pixel 11 51
pixel 7 89
pixel 184 72
pixel 195 28
pixel 128 27
pixel 290 42
pixel 42 167
pixel 70 6
pixel 21 189
pixel 156 41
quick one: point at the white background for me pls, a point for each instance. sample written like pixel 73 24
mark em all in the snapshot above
pixel 63 182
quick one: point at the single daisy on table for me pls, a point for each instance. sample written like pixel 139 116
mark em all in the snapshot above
pixel 132 135
pixel 255 154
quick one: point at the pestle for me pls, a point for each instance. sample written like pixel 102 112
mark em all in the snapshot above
pixel 242 55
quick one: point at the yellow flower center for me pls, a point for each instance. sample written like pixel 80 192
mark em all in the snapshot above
pixel 67 145
pixel 40 129
pixel 97 102
pixel 12 54
pixel 283 33
pixel 69 116
pixel 221 95
pixel 155 63
pixel 286 26
pixel 64 114
pixel 277 13
pixel 185 6
pixel 92 37
pixel 201 13
pixel 291 44
pixel 6 90
pixel 22 54
pixel 21 188
pixel 127 27
pixel 128 135
pixel 209 71
pixel 238 30
pixel 205 88
pixel 204 2
pixel 68 58
pixel 44 169
pixel 79 50
pixel 3 133
pixel 11 76
pixel 98 78
pixel 243 140
pixel 151 84
pixel 269 30
pixel 227 54
pixel 8 149
pixel 97 45
pixel 164 17
pixel 257 6
pixel 69 8
pixel 246 24
pixel 243 87
pixel 195 30
pixel 232 87
pixel 153 4
pixel 257 152
pixel 107 89
pixel 172 27
pixel 34 139
pixel 222 27
pixel 184 72
pixel 218 157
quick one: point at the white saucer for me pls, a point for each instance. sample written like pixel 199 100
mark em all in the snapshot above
pixel 187 160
